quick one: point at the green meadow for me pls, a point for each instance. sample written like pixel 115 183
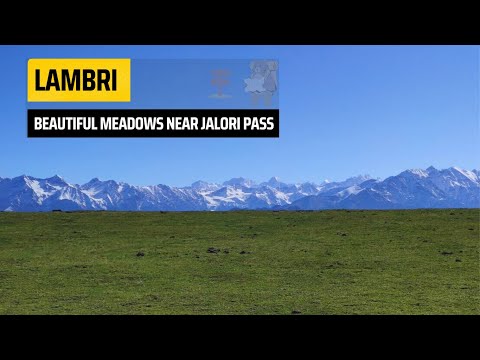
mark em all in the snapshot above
pixel 240 262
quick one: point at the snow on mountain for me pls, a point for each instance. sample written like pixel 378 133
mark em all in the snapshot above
pixel 414 188
pixel 203 186
pixel 111 195
pixel 356 180
pixel 241 197
pixel 26 193
pixel 240 181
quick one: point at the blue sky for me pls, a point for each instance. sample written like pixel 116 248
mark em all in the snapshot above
pixel 344 110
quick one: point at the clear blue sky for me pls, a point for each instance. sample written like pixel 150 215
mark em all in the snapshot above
pixel 344 110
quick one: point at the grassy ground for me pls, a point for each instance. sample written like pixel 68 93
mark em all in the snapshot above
pixel 329 262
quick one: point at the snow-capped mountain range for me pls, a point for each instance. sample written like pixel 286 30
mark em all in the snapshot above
pixel 416 188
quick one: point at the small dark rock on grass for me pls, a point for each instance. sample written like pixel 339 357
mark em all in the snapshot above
pixel 296 312
pixel 446 253
pixel 243 252
pixel 140 254
pixel 212 250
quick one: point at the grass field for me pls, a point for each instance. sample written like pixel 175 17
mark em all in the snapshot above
pixel 328 262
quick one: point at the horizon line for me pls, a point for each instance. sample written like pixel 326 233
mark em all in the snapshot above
pixel 255 182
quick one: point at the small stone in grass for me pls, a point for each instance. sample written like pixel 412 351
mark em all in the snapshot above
pixel 140 253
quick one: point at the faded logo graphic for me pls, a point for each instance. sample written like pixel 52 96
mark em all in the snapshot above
pixel 243 83
pixel 220 79
pixel 262 82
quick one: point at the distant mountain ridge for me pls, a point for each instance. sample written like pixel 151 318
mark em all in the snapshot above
pixel 415 188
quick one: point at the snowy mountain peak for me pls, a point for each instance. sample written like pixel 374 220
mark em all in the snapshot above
pixel 471 175
pixel 56 180
pixel 204 186
pixel 240 181
pixel 199 183
pixel 361 177
pixel 411 189
pixel 414 188
pixel 415 172
pixel 355 180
